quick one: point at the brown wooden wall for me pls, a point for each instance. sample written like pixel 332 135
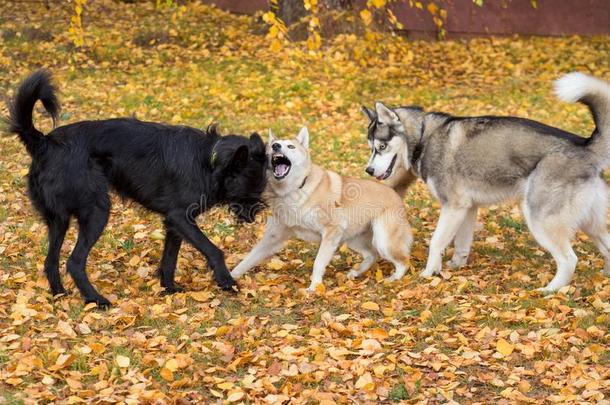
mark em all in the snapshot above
pixel 496 17
pixel 240 6
pixel 505 17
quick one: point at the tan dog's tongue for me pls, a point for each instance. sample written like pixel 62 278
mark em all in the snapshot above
pixel 281 170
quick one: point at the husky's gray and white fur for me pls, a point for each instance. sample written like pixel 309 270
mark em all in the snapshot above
pixel 468 162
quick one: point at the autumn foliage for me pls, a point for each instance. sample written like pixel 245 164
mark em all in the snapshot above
pixel 478 334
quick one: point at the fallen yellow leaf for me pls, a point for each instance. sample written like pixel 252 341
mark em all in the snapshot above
pixel 379 275
pixel 201 296
pixel 504 347
pixel 122 361
pixel 235 396
pixel 370 305
pixel 171 365
pixel 166 374
pixel 365 382
pixel 275 264
pixel 133 262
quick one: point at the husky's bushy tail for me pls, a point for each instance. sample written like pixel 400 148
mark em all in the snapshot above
pixel 37 86
pixel 595 94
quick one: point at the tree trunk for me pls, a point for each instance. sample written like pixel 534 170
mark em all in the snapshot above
pixel 291 11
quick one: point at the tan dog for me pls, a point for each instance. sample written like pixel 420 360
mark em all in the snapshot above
pixel 318 205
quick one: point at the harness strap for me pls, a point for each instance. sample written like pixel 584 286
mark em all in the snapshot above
pixel 419 147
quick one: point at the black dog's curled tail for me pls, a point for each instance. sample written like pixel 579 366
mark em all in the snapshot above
pixel 37 86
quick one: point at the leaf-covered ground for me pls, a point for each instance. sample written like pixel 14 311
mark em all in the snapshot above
pixel 478 334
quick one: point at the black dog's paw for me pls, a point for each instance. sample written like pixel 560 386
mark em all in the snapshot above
pixel 101 302
pixel 59 292
pixel 174 289
pixel 226 282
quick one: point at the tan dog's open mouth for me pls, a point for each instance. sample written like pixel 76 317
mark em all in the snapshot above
pixel 281 165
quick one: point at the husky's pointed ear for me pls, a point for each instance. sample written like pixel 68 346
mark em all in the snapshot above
pixel 303 137
pixel 385 114
pixel 271 136
pixel 369 113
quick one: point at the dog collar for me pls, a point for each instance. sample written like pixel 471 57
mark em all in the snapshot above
pixel 214 155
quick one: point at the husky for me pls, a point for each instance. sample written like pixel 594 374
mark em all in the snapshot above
pixel 468 162
pixel 318 205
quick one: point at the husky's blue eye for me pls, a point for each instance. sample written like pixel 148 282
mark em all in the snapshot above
pixel 382 146
pixel 290 146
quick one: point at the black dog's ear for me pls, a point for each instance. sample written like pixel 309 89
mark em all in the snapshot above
pixel 240 158
pixel 369 113
pixel 212 129
pixel 255 137
pixel 257 142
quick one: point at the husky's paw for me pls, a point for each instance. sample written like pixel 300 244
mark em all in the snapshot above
pixel 431 271
pixel 546 290
pixel 313 287
pixel 393 277
pixel 551 288
pixel 235 274
pixel 456 262
pixel 353 274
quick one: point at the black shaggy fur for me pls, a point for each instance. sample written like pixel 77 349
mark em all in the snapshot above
pixel 175 171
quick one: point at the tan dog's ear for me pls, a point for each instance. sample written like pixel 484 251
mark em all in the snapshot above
pixel 303 137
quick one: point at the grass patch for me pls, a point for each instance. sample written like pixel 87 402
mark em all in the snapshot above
pixel 4 357
pixel 508 222
pixel 223 229
pixel 80 364
pixel 400 393
pixel 128 244
pixel 491 322
pixel 441 314
pixel 604 358
pixel 4 213
pixel 175 332
pixel 10 398
pixel 75 311
pixel 586 321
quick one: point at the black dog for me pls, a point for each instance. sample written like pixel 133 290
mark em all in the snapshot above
pixel 175 171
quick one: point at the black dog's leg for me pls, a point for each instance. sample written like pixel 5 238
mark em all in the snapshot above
pixel 91 226
pixel 57 231
pixel 215 257
pixel 167 269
